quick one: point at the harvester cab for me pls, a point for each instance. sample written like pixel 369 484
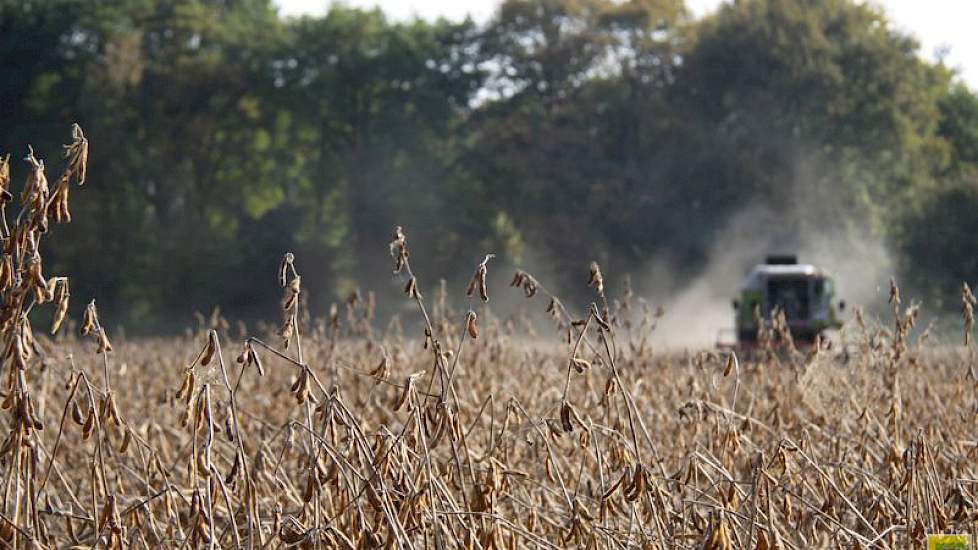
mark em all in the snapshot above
pixel 804 292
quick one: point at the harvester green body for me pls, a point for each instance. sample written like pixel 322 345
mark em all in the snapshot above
pixel 804 292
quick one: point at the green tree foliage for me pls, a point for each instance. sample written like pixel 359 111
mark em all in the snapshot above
pixel 935 233
pixel 576 107
pixel 625 131
pixel 935 240
pixel 824 104
pixel 958 125
pixel 373 109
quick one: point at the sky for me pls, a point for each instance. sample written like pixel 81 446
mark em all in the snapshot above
pixel 939 25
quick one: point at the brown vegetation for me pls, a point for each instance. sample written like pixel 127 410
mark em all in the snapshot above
pixel 338 435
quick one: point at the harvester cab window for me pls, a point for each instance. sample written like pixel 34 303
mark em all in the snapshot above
pixel 789 295
pixel 822 294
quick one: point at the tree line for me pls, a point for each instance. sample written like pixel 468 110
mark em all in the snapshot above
pixel 558 132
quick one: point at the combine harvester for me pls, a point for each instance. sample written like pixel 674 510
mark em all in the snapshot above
pixel 804 293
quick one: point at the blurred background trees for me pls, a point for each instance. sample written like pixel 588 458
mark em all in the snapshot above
pixel 558 132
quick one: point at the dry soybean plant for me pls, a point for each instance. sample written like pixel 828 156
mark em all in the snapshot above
pixel 459 437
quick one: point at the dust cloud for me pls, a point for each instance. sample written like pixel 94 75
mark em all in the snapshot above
pixel 699 312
